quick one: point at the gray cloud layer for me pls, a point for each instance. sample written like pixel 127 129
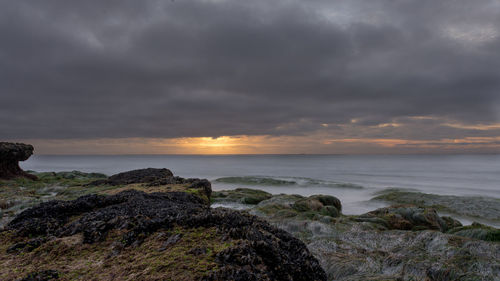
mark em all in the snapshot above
pixel 94 68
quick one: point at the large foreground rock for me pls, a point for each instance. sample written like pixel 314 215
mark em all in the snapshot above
pixel 134 235
pixel 10 155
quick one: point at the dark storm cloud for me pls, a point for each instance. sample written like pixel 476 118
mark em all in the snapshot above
pixel 90 69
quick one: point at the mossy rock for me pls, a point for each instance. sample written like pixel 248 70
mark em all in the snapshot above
pixel 331 211
pixel 451 222
pixel 308 204
pixel 241 195
pixel 328 200
pixel 409 217
pixel 321 204
pixel 273 208
pixel 69 175
pixel 150 236
pixel 285 213
pixel 487 208
pixel 477 231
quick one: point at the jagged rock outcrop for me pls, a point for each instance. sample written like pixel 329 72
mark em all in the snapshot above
pixel 10 155
pixel 250 248
pixel 148 175
pixel 151 177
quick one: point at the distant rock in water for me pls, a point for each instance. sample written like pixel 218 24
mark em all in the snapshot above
pixel 10 155
pixel 159 236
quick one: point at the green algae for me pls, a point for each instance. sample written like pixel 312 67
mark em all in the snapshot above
pixel 241 195
pixel 473 207
pixel 75 260
pixel 477 231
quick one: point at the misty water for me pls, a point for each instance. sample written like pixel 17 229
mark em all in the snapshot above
pixel 353 179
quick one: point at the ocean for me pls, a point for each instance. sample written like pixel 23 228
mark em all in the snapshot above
pixel 354 179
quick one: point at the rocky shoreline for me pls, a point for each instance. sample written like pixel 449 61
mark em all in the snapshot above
pixel 142 217
pixel 162 232
pixel 400 242
pixel 148 224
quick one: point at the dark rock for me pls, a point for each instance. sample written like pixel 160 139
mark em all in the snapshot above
pixel 156 177
pixel 242 195
pixel 45 275
pixel 264 252
pixel 196 251
pixel 25 246
pixel 194 183
pixel 10 155
pixel 201 184
pixel 148 175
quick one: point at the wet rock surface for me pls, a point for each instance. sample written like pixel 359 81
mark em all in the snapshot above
pixel 10 155
pixel 477 231
pixel 409 217
pixel 260 251
pixel 467 206
pixel 283 205
pixel 402 242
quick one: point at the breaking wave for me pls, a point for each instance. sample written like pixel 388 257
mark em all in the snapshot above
pixel 285 181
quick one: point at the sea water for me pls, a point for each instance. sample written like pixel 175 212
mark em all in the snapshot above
pixel 354 179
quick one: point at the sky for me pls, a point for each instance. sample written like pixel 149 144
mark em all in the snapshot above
pixel 260 76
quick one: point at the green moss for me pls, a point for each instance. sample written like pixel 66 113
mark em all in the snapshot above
pixel 328 200
pixel 301 206
pixel 200 193
pixel 75 260
pixel 269 209
pixel 468 206
pixel 330 211
pixel 241 195
pixel 477 231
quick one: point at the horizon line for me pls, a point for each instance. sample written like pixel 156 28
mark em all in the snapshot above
pixel 265 154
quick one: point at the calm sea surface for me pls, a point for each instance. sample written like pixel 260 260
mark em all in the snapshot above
pixel 353 179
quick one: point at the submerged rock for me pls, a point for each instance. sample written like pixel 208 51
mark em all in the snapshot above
pixel 245 248
pixel 10 155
